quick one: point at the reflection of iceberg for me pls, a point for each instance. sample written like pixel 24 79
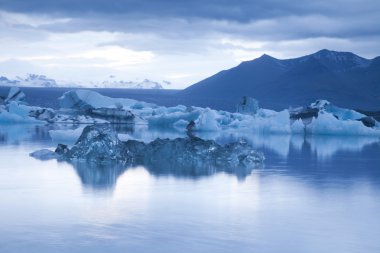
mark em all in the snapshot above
pixel 99 145
pixel 322 145
pixel 280 144
pixel 98 176
pixel 19 133
pixel 102 176
pixel 327 146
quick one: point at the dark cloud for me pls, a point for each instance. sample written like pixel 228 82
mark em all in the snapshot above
pixel 191 31
pixel 237 10
pixel 260 19
pixel 242 10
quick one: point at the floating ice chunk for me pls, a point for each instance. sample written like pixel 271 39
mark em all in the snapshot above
pixel 100 143
pixel 207 121
pixel 11 118
pixel 325 106
pixel 298 127
pixel 247 105
pixel 15 94
pixel 340 113
pixel 328 124
pixel 34 114
pixel 16 113
pixel 87 99
pixel 68 136
pixel 45 154
pixel 181 124
pixel 172 119
pixel 276 123
pixel 114 115
pixel 18 109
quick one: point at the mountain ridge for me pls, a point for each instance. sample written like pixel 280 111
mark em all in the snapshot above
pixel 344 78
pixel 34 80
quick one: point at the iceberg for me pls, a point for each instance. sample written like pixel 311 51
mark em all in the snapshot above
pixel 87 99
pixel 45 154
pixel 100 144
pixel 247 105
pixel 304 120
pixel 90 107
pixel 324 118
pixel 15 94
pixel 328 124
pixel 66 136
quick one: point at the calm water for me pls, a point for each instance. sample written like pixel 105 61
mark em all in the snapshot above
pixel 48 97
pixel 314 194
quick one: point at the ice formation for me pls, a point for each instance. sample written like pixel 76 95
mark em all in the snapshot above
pixel 321 117
pixel 247 105
pixel 87 99
pixel 89 107
pixel 100 144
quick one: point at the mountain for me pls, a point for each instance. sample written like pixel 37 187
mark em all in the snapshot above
pixel 343 78
pixel 33 80
pixel 144 84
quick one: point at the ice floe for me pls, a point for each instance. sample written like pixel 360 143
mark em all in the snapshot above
pixel 100 144
pixel 90 107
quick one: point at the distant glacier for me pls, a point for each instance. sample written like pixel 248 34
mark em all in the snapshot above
pixel 34 80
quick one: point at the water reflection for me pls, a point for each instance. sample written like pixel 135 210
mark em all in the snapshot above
pixel 343 160
pixel 323 146
pixel 338 155
pixel 98 176
pixel 315 194
pixel 18 133
pixel 104 176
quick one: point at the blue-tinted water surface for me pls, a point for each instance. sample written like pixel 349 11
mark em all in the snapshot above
pixel 313 194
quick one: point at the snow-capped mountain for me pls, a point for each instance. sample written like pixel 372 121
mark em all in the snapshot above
pixel 343 78
pixel 143 84
pixel 33 80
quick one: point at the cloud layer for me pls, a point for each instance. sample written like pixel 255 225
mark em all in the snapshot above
pixel 183 41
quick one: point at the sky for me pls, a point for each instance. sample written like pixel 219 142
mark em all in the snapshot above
pixel 180 41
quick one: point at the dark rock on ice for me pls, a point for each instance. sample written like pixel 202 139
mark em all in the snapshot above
pixel 304 113
pixel 113 115
pixel 62 149
pixel 368 121
pixel 45 114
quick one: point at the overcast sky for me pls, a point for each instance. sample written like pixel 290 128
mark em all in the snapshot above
pixel 181 41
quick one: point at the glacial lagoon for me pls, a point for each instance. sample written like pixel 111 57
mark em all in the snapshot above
pixel 312 194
